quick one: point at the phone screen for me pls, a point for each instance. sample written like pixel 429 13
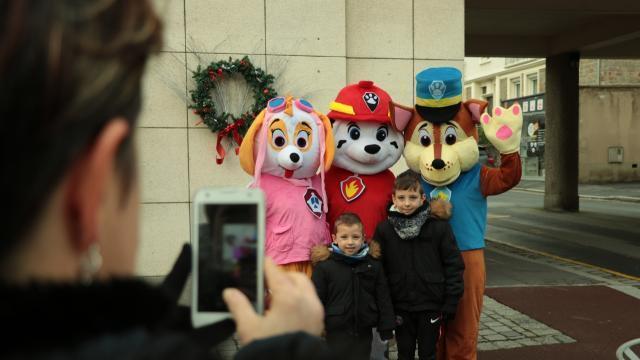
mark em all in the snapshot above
pixel 227 253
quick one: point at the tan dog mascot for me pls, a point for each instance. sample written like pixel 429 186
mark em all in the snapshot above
pixel 442 145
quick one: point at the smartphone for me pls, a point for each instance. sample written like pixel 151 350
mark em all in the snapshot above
pixel 227 238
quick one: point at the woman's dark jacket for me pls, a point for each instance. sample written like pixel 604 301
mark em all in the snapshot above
pixel 355 294
pixel 424 272
pixel 124 319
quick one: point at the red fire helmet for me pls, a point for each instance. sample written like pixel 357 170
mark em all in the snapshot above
pixel 361 102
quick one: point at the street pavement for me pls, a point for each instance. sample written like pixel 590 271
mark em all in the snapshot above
pixel 567 285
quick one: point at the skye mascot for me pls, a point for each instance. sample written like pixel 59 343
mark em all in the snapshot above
pixel 442 145
pixel 287 150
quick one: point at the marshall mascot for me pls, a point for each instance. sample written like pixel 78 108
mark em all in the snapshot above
pixel 442 145
pixel 368 141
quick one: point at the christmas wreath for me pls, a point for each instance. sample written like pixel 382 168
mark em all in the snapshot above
pixel 226 124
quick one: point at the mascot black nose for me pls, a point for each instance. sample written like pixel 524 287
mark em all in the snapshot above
pixel 294 157
pixel 372 149
pixel 438 164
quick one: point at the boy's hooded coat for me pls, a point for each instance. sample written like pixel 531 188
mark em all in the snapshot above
pixel 355 294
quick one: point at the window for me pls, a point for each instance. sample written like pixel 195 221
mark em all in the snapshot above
pixel 515 88
pixel 484 90
pixel 533 84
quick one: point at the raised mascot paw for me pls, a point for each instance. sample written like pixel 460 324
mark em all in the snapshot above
pixel 504 129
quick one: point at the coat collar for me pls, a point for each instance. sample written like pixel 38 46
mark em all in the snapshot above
pixel 44 315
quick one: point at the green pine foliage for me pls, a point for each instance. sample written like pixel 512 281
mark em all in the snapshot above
pixel 203 105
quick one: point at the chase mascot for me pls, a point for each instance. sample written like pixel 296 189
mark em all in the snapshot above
pixel 442 145
pixel 285 148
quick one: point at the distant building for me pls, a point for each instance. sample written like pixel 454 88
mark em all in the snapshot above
pixel 609 111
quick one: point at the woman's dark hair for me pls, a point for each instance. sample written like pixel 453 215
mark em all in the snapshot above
pixel 67 67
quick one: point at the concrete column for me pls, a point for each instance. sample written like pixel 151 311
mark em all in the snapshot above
pixel 561 135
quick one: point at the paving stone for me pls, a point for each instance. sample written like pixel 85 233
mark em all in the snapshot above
pixel 527 342
pixel 545 331
pixel 496 337
pixel 512 335
pixel 493 324
pixel 502 328
pixel 483 332
pixel 546 340
pixel 487 347
pixel 507 344
pixel 564 339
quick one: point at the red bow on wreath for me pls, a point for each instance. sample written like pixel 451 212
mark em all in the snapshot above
pixel 233 130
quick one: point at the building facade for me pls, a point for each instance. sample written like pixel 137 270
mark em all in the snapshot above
pixel 609 111
pixel 313 48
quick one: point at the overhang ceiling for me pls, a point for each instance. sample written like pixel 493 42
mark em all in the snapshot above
pixel 542 28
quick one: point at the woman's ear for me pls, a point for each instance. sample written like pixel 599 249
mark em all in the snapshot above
pixel 247 161
pixel 329 147
pixel 88 184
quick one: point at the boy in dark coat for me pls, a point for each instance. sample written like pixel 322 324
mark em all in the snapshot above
pixel 424 267
pixel 352 286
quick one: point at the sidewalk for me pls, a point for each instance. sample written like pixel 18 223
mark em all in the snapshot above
pixel 584 321
pixel 618 191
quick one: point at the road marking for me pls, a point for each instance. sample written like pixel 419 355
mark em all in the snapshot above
pixel 575 262
pixel 588 197
pixel 497 216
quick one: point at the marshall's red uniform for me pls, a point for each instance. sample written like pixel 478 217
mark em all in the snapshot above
pixel 370 203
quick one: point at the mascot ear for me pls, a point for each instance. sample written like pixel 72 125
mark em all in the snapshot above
pixel 400 116
pixel 247 161
pixel 329 147
pixel 475 108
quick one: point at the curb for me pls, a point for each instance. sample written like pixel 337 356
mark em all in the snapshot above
pixel 592 197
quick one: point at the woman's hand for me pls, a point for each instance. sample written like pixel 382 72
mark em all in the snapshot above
pixel 294 307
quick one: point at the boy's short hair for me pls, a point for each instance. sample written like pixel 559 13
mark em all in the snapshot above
pixel 346 219
pixel 408 180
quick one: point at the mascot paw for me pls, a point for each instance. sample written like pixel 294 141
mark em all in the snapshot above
pixel 503 130
pixel 440 209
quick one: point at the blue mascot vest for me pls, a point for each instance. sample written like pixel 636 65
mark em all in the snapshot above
pixel 469 213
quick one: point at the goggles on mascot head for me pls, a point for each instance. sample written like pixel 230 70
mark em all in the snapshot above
pixel 278 104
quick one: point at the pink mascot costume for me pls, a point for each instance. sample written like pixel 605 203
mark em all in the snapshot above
pixel 287 150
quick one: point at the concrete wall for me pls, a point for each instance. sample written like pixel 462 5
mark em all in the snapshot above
pixel 609 72
pixel 609 117
pixel 314 48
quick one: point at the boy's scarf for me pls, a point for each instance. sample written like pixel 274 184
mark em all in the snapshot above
pixel 408 226
pixel 351 259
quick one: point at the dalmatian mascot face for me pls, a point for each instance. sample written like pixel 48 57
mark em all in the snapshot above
pixel 366 147
pixel 367 141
